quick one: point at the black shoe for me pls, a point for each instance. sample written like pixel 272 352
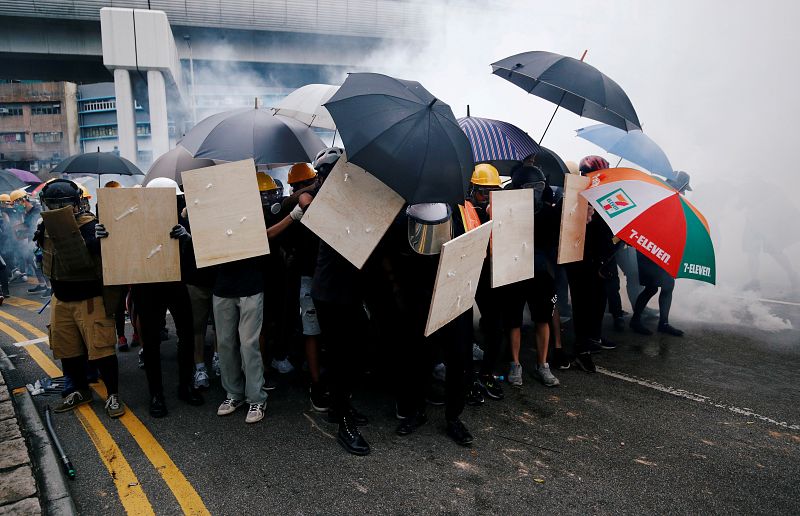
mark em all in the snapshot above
pixel 585 362
pixel 490 386
pixel 559 360
pixel 475 396
pixel 619 323
pixel 191 396
pixel 458 432
pixel 351 414
pixel 670 330
pixel 607 344
pixel 37 288
pixel 637 326
pixel 157 406
pixel 593 345
pixel 409 424
pixel 350 438
pixel 270 383
pixel 435 396
pixel 320 399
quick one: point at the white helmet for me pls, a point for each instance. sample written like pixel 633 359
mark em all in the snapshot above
pixel 164 182
pixel 327 156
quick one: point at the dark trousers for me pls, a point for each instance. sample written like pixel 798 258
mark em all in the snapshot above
pixel 612 286
pixel 489 303
pixel 75 370
pixel 119 316
pixel 342 326
pixel 588 292
pixel 152 301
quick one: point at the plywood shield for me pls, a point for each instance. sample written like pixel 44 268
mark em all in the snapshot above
pixel 138 248
pixel 512 236
pixel 457 277
pixel 573 220
pixel 352 211
pixel 225 213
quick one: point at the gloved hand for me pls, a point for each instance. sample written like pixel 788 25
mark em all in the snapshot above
pixel 297 213
pixel 100 231
pixel 179 233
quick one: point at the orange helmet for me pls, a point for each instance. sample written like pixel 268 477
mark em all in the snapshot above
pixel 301 172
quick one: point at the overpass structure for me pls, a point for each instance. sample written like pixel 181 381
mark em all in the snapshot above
pixel 189 56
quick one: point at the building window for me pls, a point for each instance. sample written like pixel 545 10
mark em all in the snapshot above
pixel 142 130
pixel 100 105
pixel 51 137
pixel 11 110
pixel 46 109
pixel 105 131
pixel 12 137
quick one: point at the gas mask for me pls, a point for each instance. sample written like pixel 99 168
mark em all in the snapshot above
pixel 429 227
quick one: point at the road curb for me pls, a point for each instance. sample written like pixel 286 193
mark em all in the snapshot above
pixel 54 494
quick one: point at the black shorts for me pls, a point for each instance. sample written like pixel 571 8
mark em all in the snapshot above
pixel 538 292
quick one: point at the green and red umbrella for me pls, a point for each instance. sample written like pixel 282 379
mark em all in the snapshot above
pixel 656 220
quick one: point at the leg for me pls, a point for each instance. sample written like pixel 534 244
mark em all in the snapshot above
pixel 151 304
pixel 179 306
pixel 251 313
pixel 226 319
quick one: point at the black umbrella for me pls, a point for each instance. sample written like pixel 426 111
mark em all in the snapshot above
pixel 571 84
pixel 404 136
pixel 173 163
pixel 253 133
pixel 550 163
pixel 97 163
pixel 9 182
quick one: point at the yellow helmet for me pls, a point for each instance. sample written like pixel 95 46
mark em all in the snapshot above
pixel 112 184
pixel 5 197
pixel 84 192
pixel 265 182
pixel 17 194
pixel 485 175
pixel 301 172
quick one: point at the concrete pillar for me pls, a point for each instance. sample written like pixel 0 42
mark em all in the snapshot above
pixel 159 129
pixel 126 117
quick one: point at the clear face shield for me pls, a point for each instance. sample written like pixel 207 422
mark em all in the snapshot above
pixel 430 225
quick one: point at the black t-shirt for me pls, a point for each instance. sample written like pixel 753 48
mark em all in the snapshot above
pixel 80 290
pixel 241 278
pixel 335 279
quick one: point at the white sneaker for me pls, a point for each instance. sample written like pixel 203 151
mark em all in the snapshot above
pixel 439 372
pixel 282 366
pixel 545 376
pixel 477 352
pixel 229 406
pixel 215 365
pixel 255 413
pixel 515 374
pixel 201 380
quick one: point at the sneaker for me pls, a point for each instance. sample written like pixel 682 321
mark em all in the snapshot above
pixel 47 293
pixel 15 275
pixel 114 407
pixel 585 362
pixel 670 330
pixel 593 345
pixel 439 372
pixel 76 398
pixel 270 383
pixel 37 288
pixel 215 365
pixel 229 406
pixel 201 380
pixel 477 353
pixel 542 372
pixel 607 344
pixel 255 413
pixel 458 432
pixel 515 374
pixel 282 366
pixel 141 359
pixel 560 360
pixel 490 386
pixel 122 343
pixel 320 399
pixel 637 326
pixel 24 278
pixel 158 408
pixel 475 396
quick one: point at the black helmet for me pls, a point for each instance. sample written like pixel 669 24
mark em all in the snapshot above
pixel 527 175
pixel 60 193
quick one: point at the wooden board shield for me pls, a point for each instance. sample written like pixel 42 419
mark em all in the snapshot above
pixel 352 211
pixel 573 219
pixel 512 236
pixel 225 213
pixel 460 264
pixel 138 248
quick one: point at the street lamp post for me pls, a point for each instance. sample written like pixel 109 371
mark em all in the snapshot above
pixel 188 40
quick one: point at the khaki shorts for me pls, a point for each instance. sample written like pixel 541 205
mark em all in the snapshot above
pixel 201 307
pixel 81 328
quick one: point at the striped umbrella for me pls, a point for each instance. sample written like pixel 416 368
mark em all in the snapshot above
pixel 494 140
pixel 654 219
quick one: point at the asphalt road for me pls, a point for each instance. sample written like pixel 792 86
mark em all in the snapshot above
pixel 708 423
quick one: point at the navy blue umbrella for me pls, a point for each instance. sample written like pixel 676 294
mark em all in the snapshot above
pixel 572 84
pixel 494 140
pixel 403 135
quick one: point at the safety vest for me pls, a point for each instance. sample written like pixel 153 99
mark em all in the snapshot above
pixel 469 216
pixel 71 262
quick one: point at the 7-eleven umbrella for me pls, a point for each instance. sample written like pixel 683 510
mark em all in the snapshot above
pixel 656 220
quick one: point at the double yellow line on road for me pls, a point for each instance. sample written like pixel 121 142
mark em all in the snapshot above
pixel 130 492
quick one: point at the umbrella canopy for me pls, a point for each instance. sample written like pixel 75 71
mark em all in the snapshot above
pixel 656 220
pixel 306 105
pixel 493 140
pixel 552 165
pixel 252 133
pixel 634 146
pixel 173 163
pixel 9 182
pixel 26 176
pixel 404 136
pixel 92 183
pixel 97 163
pixel 571 84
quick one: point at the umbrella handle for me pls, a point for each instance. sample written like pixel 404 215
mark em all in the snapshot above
pixel 563 94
